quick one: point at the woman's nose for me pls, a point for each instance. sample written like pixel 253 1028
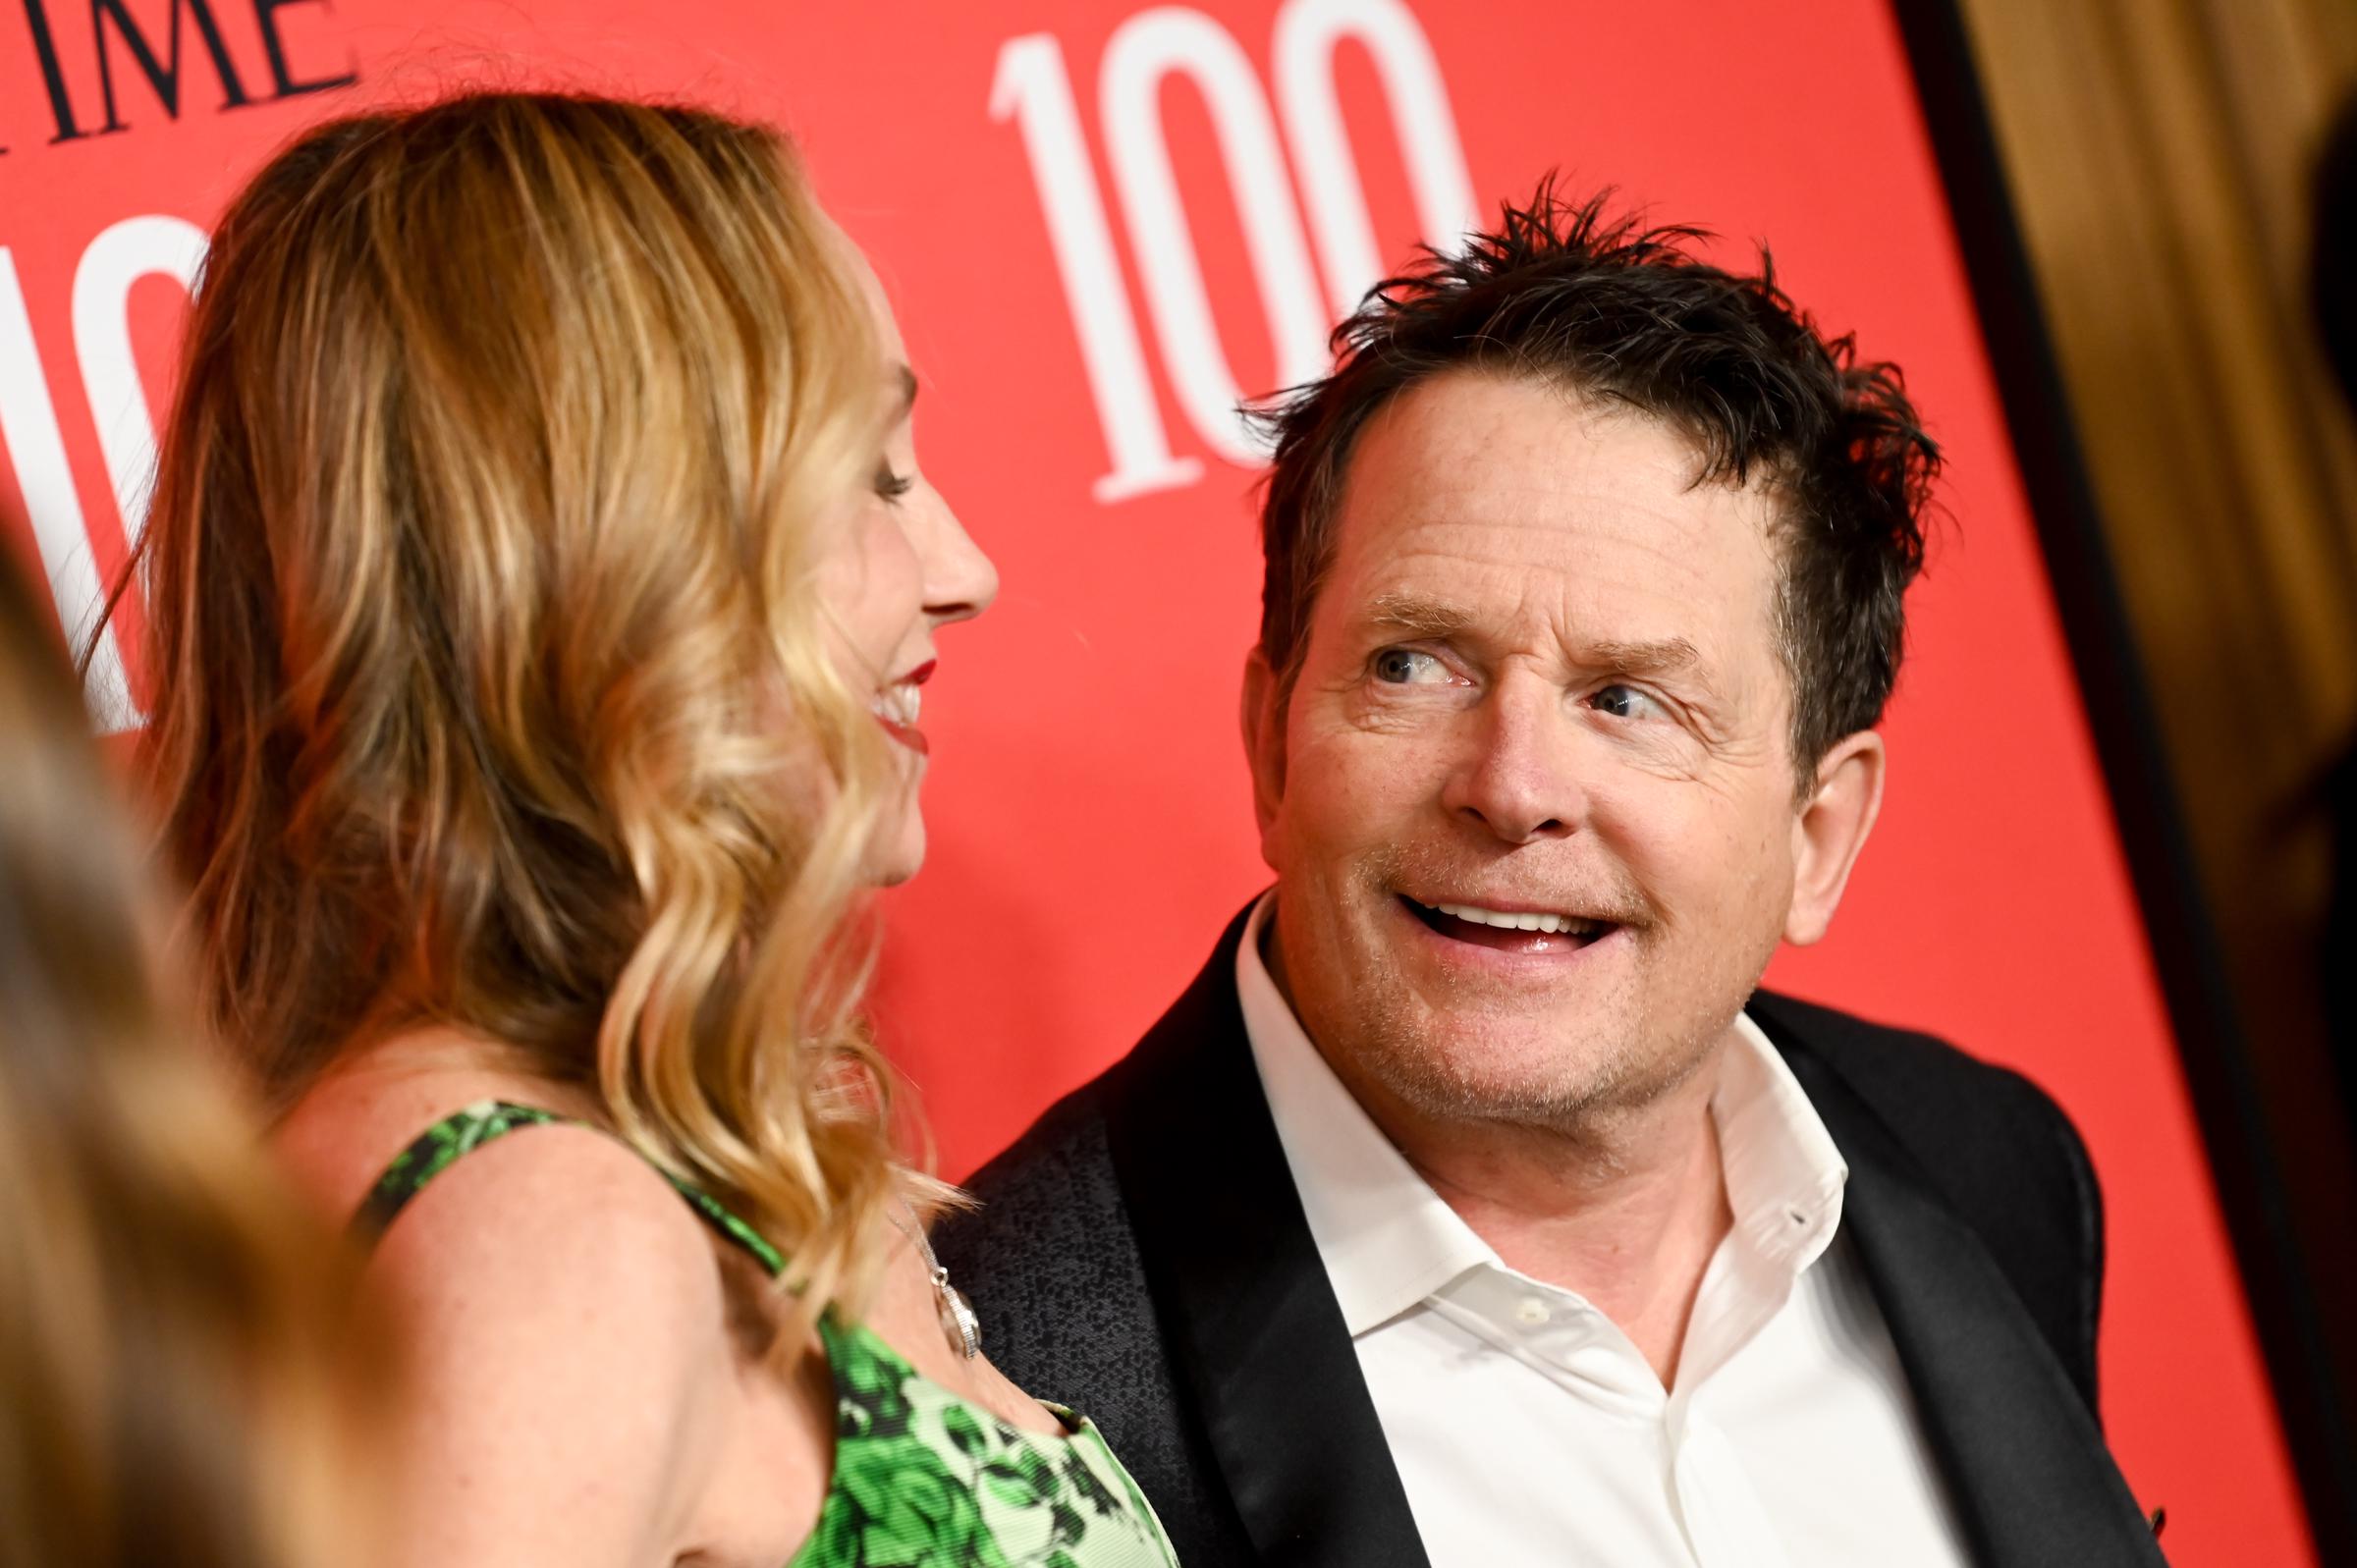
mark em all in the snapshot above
pixel 960 580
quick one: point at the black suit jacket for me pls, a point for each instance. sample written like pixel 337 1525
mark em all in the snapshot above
pixel 1140 1254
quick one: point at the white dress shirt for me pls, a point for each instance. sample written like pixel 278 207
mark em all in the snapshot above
pixel 1528 1428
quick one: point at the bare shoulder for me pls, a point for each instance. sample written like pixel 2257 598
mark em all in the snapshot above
pixel 352 1122
pixel 553 1215
pixel 545 1210
pixel 575 1391
pixel 569 1377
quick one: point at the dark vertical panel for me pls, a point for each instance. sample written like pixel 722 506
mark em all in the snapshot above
pixel 2277 1272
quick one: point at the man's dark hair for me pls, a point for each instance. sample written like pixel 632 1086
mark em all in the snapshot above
pixel 1624 313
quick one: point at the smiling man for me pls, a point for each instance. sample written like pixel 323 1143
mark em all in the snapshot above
pixel 1474 1207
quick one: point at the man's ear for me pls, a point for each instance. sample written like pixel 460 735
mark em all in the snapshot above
pixel 1263 716
pixel 1828 832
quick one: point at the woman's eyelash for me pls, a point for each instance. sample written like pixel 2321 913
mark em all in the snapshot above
pixel 892 486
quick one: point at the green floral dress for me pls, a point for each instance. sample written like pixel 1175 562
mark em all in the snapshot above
pixel 921 1478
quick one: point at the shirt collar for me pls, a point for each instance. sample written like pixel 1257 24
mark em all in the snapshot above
pixel 1389 1241
pixel 1784 1177
pixel 1386 1238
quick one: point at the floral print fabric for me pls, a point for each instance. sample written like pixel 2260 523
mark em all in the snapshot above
pixel 921 1478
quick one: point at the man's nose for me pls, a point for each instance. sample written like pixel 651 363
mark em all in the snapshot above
pixel 1519 777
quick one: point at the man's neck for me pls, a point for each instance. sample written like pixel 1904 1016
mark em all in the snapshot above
pixel 1625 1210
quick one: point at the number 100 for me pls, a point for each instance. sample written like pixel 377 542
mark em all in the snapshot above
pixel 1033 88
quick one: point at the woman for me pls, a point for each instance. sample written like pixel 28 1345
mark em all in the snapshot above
pixel 171 1393
pixel 542 584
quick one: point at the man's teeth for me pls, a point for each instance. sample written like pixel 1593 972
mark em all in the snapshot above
pixel 900 703
pixel 1504 920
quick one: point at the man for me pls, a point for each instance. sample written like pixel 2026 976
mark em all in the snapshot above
pixel 1473 1207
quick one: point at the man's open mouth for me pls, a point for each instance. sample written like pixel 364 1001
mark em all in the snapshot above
pixel 1510 929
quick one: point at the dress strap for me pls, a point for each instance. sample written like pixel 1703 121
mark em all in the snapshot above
pixel 468 1128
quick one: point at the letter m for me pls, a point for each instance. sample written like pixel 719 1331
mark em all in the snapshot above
pixel 163 77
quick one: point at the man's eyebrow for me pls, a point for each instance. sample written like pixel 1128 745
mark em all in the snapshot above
pixel 1413 614
pixel 1661 657
pixel 1420 616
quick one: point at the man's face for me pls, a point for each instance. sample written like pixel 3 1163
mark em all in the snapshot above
pixel 1531 803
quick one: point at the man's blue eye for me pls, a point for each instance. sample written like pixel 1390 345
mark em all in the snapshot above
pixel 1624 702
pixel 1402 667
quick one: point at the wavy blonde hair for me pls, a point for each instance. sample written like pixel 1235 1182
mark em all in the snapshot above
pixel 173 1324
pixel 494 688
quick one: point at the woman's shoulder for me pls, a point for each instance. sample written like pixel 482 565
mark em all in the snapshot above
pixel 482 1178
pixel 560 1208
pixel 573 1364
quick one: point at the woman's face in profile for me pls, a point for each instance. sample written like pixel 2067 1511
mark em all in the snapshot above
pixel 902 568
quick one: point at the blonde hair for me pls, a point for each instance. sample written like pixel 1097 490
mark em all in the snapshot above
pixel 171 1322
pixel 493 681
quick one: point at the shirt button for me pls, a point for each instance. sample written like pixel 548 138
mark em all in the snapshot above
pixel 1532 1311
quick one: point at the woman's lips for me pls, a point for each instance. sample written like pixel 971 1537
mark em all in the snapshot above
pixel 898 705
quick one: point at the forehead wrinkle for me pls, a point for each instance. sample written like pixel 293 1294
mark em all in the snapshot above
pixel 1442 587
pixel 1446 595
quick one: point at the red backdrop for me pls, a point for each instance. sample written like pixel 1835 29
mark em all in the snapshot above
pixel 1099 222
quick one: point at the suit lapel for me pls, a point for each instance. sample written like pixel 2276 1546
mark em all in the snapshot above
pixel 1252 1323
pixel 2026 1466
pixel 1262 1353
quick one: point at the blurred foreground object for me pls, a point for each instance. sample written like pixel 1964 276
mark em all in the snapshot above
pixel 172 1341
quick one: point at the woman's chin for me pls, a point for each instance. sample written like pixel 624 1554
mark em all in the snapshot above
pixel 898 855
